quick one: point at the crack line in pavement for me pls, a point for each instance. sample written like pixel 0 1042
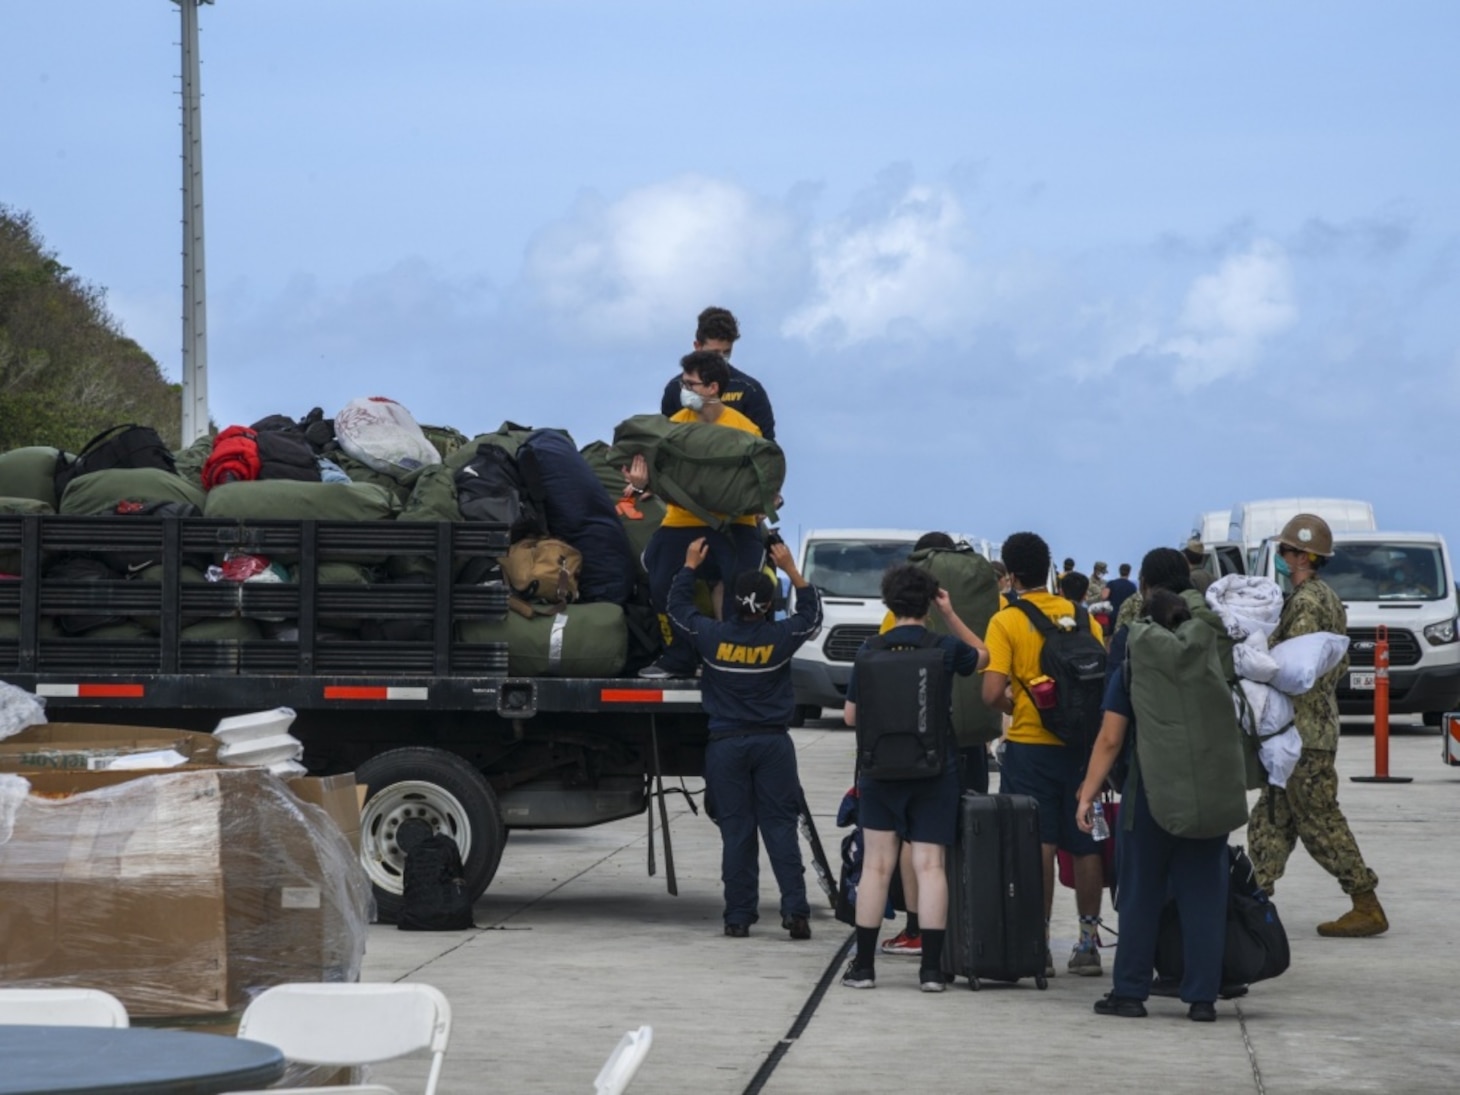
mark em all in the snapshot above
pixel 803 1020
pixel 1251 1050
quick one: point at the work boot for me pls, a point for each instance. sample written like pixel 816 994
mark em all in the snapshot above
pixel 1365 918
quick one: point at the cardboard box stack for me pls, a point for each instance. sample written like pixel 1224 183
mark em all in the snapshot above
pixel 182 892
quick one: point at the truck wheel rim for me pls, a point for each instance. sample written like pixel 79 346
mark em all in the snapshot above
pixel 392 806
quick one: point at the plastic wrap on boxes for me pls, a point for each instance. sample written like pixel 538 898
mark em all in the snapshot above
pixel 19 709
pixel 183 893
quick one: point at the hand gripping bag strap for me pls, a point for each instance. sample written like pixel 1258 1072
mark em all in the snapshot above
pixel 903 724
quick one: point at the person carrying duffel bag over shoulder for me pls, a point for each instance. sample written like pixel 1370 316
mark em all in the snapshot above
pixel 1186 790
pixel 737 548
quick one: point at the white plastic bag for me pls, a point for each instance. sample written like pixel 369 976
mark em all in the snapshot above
pixel 19 709
pixel 1304 658
pixel 383 436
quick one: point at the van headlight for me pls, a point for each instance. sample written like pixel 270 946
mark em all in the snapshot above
pixel 1442 633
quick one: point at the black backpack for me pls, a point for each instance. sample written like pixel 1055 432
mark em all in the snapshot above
pixel 434 897
pixel 286 454
pixel 904 709
pixel 128 446
pixel 1075 661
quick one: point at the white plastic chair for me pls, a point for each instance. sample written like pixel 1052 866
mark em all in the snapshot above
pixel 350 1024
pixel 61 1008
pixel 624 1062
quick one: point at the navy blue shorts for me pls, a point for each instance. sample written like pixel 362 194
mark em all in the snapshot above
pixel 1051 775
pixel 924 811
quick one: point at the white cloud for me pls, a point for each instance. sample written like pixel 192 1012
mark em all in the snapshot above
pixel 907 264
pixel 1229 314
pixel 627 269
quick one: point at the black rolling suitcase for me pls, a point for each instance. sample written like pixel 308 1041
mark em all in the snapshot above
pixel 996 892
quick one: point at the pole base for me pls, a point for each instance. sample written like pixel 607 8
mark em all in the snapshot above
pixel 1381 779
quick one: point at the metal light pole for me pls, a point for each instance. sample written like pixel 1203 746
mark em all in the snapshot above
pixel 195 286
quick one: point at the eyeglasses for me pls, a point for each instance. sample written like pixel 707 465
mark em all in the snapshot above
pixel 687 383
pixel 1285 549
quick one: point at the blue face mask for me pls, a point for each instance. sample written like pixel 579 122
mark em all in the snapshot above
pixel 1282 567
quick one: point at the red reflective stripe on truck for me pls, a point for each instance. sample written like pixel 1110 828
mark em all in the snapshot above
pixel 375 692
pixel 631 695
pixel 110 691
pixel 649 695
pixel 91 691
pixel 354 692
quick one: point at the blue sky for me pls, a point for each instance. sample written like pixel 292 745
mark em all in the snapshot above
pixel 1086 269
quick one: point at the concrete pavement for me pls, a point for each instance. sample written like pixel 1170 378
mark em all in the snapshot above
pixel 577 944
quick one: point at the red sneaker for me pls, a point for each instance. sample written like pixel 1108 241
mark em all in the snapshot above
pixel 903 943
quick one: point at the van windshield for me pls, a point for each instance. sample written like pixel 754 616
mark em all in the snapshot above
pixel 1378 571
pixel 853 568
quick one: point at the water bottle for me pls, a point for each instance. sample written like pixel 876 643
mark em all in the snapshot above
pixel 1098 828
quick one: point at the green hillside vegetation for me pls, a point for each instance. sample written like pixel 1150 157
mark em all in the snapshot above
pixel 67 371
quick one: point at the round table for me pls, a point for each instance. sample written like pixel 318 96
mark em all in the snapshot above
pixel 131 1061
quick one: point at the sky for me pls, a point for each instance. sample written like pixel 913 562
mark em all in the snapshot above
pixel 1083 269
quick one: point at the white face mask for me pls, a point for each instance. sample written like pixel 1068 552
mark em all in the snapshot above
pixel 691 399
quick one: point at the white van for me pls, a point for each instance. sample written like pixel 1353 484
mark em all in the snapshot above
pixel 1253 522
pixel 1404 581
pixel 846 566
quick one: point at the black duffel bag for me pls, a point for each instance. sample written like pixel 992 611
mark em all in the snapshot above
pixel 1257 944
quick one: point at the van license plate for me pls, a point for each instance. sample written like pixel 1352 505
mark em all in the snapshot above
pixel 1361 682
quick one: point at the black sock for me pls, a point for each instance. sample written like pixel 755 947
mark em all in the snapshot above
pixel 912 923
pixel 932 948
pixel 866 946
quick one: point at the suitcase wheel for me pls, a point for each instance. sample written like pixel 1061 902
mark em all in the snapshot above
pixel 1041 982
pixel 973 983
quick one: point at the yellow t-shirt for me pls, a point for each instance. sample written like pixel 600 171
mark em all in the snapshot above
pixel 678 516
pixel 1014 648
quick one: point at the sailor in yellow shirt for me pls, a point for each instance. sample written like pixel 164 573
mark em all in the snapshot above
pixel 704 375
pixel 1035 762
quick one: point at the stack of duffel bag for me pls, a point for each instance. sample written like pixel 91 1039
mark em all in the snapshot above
pixel 570 570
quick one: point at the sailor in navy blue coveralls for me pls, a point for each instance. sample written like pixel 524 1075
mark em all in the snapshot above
pixel 1152 866
pixel 751 780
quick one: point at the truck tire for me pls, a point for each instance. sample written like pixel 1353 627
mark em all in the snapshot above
pixel 447 793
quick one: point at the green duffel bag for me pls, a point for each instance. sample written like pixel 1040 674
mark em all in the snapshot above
pixel 432 499
pixel 226 629
pixel 122 629
pixel 716 472
pixel 1190 752
pixel 508 436
pixel 10 560
pixel 190 460
pixel 444 439
pixel 973 587
pixel 400 489
pixel 287 499
pixel 579 641
pixel 99 492
pixel 29 473
pixel 10 628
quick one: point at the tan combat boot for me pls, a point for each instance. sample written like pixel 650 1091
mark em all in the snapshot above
pixel 1365 918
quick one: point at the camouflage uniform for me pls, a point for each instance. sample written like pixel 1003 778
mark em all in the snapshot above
pixel 1128 613
pixel 1308 808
